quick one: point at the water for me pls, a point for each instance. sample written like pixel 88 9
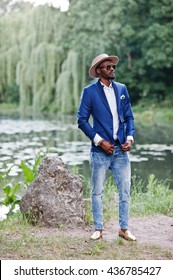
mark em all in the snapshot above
pixel 23 139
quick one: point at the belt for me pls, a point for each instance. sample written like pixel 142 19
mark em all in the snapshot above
pixel 117 142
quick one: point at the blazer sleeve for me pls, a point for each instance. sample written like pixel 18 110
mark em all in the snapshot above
pixel 84 113
pixel 128 116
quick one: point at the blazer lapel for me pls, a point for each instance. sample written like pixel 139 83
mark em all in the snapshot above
pixel 102 95
pixel 117 97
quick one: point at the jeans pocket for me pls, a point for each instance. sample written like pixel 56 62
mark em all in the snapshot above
pixel 100 160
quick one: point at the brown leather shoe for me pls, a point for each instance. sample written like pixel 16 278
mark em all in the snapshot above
pixel 127 235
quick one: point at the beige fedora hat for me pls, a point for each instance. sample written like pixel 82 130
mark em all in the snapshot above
pixel 97 60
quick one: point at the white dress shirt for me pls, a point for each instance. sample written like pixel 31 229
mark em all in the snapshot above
pixel 110 95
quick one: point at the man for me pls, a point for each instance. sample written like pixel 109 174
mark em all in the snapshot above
pixel 112 135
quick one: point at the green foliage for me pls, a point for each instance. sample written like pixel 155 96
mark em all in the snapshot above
pixel 11 199
pixel 97 248
pixel 30 172
pixel 9 189
pixel 88 212
pixel 155 198
pixel 110 199
pixel 12 92
pixel 45 54
pixel 27 172
pixel 149 114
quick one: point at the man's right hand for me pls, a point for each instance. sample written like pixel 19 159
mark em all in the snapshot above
pixel 107 146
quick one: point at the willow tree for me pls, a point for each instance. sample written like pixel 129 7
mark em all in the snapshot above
pixel 30 56
pixel 40 60
pixel 45 65
pixel 9 55
pixel 68 83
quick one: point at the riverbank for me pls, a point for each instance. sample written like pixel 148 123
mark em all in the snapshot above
pixel 145 113
pixel 158 115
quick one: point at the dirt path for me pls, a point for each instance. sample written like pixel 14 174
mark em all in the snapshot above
pixel 156 230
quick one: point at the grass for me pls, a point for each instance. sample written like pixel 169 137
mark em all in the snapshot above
pixel 154 198
pixel 150 114
pixel 18 240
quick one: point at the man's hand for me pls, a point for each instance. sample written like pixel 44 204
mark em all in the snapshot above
pixel 107 147
pixel 126 146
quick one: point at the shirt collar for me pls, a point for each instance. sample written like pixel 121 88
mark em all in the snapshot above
pixel 110 86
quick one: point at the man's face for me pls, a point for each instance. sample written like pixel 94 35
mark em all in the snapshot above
pixel 106 70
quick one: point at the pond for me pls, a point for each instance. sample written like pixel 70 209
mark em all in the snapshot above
pixel 152 152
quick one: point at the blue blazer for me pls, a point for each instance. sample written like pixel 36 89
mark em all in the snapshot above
pixel 94 103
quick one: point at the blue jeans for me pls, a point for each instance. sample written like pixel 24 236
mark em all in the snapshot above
pixel 120 166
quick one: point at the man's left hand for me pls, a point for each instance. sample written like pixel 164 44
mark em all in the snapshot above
pixel 126 146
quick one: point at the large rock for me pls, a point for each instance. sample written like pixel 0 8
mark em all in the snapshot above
pixel 54 198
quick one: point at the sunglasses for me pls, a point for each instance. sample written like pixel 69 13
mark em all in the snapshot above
pixel 108 67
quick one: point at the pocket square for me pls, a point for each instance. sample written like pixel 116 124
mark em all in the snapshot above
pixel 122 96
